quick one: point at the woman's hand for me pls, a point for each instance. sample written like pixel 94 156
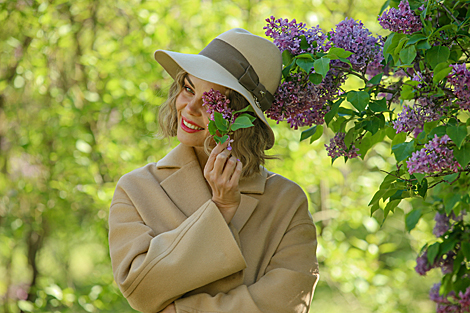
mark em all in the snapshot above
pixel 169 309
pixel 223 172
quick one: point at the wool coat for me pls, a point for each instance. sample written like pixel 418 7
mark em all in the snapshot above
pixel 170 243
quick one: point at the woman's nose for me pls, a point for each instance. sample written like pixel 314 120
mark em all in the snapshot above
pixel 195 105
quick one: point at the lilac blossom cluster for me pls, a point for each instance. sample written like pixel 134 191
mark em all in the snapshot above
pixel 434 157
pixel 338 148
pixel 302 103
pixel 460 80
pixel 425 109
pixel 443 222
pixel 445 262
pixel 351 35
pixel 215 101
pixel 402 20
pixel 450 303
pixel 287 36
pixel 412 119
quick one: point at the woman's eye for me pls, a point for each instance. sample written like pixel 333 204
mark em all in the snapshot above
pixel 188 89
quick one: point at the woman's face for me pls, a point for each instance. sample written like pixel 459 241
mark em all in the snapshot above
pixel 192 116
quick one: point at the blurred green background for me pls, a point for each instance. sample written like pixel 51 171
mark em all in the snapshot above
pixel 79 95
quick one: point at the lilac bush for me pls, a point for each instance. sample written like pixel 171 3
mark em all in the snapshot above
pixel 415 96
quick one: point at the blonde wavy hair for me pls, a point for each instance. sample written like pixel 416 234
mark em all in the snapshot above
pixel 249 144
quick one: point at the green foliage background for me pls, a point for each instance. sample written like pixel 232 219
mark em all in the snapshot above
pixel 79 95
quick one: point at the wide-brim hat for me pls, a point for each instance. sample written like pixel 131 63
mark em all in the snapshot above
pixel 236 59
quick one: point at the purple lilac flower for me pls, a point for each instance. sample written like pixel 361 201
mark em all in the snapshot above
pixel 302 103
pixel 434 157
pixel 402 20
pixel 217 102
pixel 445 262
pixel 442 224
pixel 337 147
pixel 287 34
pixel 458 304
pixel 351 35
pixel 460 80
pixel 422 266
pixel 425 109
pixel 465 300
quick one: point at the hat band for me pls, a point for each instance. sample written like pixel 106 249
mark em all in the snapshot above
pixel 234 62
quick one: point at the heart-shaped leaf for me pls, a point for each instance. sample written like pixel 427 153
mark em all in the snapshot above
pixel 463 155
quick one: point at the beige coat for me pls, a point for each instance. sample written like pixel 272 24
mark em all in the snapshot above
pixel 169 242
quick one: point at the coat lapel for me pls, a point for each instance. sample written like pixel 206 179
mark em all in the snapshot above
pixel 188 189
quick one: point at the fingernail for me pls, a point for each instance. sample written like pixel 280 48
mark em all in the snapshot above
pixel 238 160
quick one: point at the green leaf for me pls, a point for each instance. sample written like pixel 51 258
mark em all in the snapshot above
pixel 419 177
pixel 441 71
pixel 220 123
pixel 457 134
pixel 407 92
pixel 439 131
pixel 399 138
pixel 304 43
pixel 450 178
pixel 384 6
pixel 359 99
pixel 423 45
pixel 408 55
pixel 248 108
pixel 377 196
pixel 433 251
pixel 374 208
pixel 403 150
pixel 308 133
pixel 315 78
pixel 322 66
pixel 379 105
pixel 317 134
pixel 412 218
pixel 429 126
pixel 463 155
pixel 305 64
pixel 212 128
pixel 466 249
pixel 242 121
pixel 388 180
pixel 223 138
pixel 349 138
pixel 376 79
pixel 338 53
pixel 423 188
pixel 450 201
pixel 436 55
pixel 287 57
pixel 391 205
pixel 416 38
pixel 373 125
pixel 334 109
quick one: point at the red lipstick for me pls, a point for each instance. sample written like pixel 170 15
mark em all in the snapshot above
pixel 185 126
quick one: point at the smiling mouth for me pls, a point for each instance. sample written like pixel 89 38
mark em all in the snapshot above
pixel 187 124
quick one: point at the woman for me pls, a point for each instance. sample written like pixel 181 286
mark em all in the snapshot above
pixel 214 233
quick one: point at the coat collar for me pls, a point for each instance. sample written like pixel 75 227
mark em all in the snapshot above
pixel 187 172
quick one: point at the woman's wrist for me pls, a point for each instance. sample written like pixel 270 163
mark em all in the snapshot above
pixel 227 210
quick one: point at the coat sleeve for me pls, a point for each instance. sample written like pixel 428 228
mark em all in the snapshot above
pixel 152 270
pixel 287 284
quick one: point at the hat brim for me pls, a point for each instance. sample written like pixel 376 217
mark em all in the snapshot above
pixel 206 69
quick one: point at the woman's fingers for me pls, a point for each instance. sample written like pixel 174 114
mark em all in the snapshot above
pixel 215 152
pixel 236 173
